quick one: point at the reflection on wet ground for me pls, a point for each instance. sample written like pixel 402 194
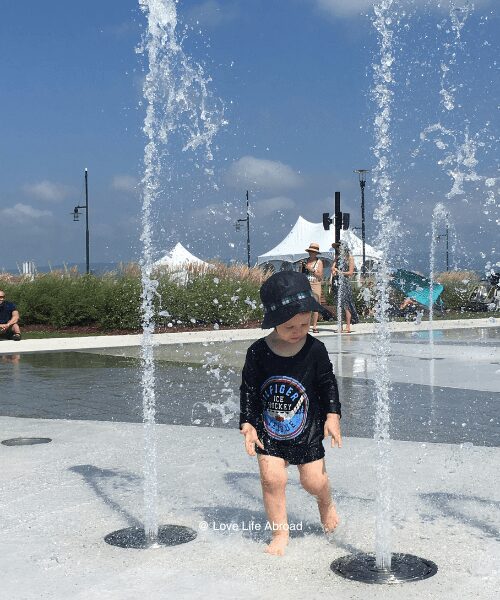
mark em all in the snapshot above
pixel 97 386
pixel 480 336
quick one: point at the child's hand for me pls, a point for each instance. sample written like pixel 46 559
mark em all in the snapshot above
pixel 332 427
pixel 251 439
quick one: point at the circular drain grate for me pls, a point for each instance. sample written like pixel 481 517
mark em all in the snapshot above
pixel 134 537
pixel 26 441
pixel 404 567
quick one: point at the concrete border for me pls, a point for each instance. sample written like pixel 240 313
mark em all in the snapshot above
pixel 220 335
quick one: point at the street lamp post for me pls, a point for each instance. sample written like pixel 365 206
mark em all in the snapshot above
pixel 362 181
pixel 238 227
pixel 340 219
pixel 76 217
pixel 447 236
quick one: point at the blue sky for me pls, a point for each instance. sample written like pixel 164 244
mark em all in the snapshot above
pixel 294 77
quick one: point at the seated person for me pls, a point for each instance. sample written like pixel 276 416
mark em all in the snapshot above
pixel 9 317
pixel 408 307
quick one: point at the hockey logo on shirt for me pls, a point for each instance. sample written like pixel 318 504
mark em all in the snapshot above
pixel 285 407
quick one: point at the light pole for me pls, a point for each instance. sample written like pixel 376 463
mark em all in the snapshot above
pixel 76 217
pixel 362 181
pixel 447 236
pixel 238 227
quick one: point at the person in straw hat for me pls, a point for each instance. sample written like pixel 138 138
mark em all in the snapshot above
pixel 313 268
pixel 289 403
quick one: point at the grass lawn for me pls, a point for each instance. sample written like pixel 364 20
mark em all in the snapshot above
pixel 41 335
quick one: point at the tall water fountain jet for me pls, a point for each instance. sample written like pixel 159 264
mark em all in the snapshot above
pixel 460 146
pixel 383 566
pixel 176 94
pixel 453 138
pixel 440 214
pixel 383 94
pixel 458 17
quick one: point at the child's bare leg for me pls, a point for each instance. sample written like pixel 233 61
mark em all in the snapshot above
pixel 314 479
pixel 273 477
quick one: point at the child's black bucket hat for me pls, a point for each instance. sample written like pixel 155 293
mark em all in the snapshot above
pixel 285 295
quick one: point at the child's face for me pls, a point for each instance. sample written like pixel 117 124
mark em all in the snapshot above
pixel 295 329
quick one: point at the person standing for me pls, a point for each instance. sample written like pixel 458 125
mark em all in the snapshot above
pixel 9 317
pixel 313 268
pixel 289 403
pixel 343 270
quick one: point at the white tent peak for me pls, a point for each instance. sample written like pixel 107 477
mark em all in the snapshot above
pixel 292 248
pixel 178 258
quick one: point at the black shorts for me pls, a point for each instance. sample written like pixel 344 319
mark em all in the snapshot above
pixel 295 456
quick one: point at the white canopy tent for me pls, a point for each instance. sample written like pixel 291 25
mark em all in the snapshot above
pixel 292 248
pixel 178 263
pixel 179 258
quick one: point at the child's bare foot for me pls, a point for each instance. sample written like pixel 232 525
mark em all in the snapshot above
pixel 278 544
pixel 329 517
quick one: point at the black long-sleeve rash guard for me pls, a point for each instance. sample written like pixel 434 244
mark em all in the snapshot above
pixel 287 398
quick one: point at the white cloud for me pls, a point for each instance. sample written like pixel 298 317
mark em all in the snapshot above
pixel 271 206
pixel 124 183
pixel 22 213
pixel 348 8
pixel 48 191
pixel 263 174
pixel 211 13
pixel 224 212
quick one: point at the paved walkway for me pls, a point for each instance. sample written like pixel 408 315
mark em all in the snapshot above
pixel 60 499
pixel 161 339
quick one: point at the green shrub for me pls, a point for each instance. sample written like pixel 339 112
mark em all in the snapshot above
pixel 224 295
pixel 120 302
pixel 208 298
pixel 458 286
pixel 55 299
pixel 228 296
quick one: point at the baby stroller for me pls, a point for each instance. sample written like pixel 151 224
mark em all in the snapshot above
pixel 486 295
pixel 418 289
